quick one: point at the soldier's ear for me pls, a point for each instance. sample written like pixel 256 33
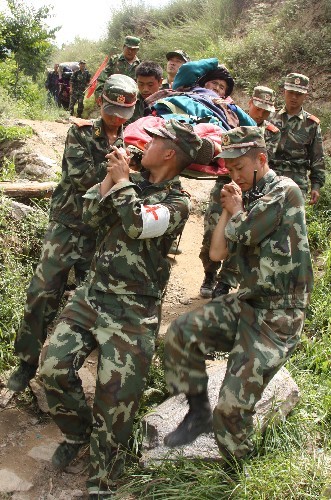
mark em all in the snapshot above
pixel 263 159
pixel 169 154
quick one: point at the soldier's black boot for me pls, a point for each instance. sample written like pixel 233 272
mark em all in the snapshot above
pixel 198 420
pixel 65 453
pixel 208 284
pixel 20 378
pixel 220 289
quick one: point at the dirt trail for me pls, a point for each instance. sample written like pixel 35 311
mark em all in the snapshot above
pixel 27 436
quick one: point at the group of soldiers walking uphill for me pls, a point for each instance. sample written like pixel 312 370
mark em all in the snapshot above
pixel 114 222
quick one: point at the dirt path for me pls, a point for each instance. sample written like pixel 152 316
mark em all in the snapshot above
pixel 28 437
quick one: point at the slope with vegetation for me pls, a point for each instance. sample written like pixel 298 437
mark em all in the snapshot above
pixel 260 42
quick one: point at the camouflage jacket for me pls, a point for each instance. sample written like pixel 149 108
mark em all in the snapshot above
pixel 270 241
pixel 83 165
pixel 300 149
pixel 116 64
pixel 139 222
pixel 271 137
pixel 79 81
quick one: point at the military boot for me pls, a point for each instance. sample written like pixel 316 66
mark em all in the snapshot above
pixel 208 284
pixel 65 453
pixel 20 378
pixel 220 289
pixel 198 420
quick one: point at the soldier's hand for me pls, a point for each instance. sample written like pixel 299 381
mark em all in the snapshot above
pixel 231 198
pixel 314 196
pixel 118 165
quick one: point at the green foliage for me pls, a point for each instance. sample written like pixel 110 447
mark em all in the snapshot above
pixel 7 170
pixel 319 216
pixel 29 99
pixel 20 246
pixel 14 132
pixel 26 36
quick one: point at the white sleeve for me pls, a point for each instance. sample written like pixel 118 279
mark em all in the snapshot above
pixel 155 220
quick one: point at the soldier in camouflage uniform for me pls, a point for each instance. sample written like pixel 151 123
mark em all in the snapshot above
pixel 260 325
pixel 175 59
pixel 124 63
pixel 78 83
pixel 117 310
pixel 69 243
pixel 260 105
pixel 300 149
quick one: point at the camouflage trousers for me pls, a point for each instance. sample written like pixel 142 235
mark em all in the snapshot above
pixel 258 341
pixel 62 251
pixel 124 329
pixel 228 273
pixel 76 97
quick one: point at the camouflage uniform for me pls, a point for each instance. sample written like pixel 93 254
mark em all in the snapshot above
pixel 260 325
pixel 228 272
pixel 116 64
pixel 300 148
pixel 118 310
pixel 68 242
pixel 79 81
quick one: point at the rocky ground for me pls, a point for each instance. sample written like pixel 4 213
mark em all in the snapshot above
pixel 28 437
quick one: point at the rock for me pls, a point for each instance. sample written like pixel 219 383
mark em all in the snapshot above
pixel 10 482
pixel 44 451
pixel 69 494
pixel 5 396
pixel 278 399
pixel 20 210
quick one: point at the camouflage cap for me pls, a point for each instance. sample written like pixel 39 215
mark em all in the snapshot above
pixel 82 61
pixel 184 136
pixel 296 82
pixel 132 42
pixel 240 140
pixel 119 96
pixel 264 97
pixel 178 53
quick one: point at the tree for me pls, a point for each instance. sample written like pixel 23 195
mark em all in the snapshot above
pixel 25 35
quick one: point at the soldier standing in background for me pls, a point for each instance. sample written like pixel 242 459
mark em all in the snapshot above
pixel 69 243
pixel 124 63
pixel 52 83
pixel 300 153
pixel 260 325
pixel 260 105
pixel 78 83
pixel 175 59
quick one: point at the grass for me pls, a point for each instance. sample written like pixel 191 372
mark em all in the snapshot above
pixel 20 245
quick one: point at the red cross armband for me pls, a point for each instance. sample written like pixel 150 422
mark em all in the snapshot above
pixel 155 220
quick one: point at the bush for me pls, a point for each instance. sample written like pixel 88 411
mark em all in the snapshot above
pixel 20 246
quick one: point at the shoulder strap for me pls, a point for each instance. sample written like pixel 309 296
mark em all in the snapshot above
pixel 80 122
pixel 272 128
pixel 314 118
